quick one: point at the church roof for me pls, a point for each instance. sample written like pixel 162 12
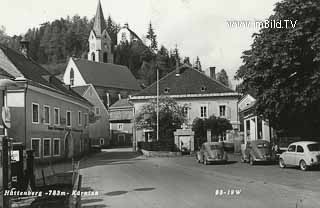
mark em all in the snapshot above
pixel 99 22
pixel 189 82
pixel 106 74
pixel 37 75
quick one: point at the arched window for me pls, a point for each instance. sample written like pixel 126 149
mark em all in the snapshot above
pixel 93 56
pixel 71 77
pixel 105 57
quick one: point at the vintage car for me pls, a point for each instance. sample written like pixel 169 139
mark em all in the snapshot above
pixel 256 151
pixel 303 154
pixel 211 152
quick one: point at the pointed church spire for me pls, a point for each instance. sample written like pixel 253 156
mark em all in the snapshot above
pixel 99 22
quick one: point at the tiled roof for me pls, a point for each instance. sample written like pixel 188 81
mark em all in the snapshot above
pixel 37 74
pixel 80 89
pixel 122 103
pixel 107 75
pixel 189 81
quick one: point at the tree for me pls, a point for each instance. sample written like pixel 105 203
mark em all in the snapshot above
pixel 152 37
pixel 283 68
pixel 171 117
pixel 223 78
pixel 218 127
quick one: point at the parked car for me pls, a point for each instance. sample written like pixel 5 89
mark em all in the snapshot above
pixel 303 154
pixel 256 151
pixel 211 152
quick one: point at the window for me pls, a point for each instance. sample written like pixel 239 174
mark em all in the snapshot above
pixel 85 120
pixel 203 111
pixel 35 113
pixel 71 77
pixel 46 147
pixel 105 57
pixel 68 121
pixel 56 115
pixel 203 88
pixel 101 141
pixel 56 147
pixel 299 149
pixel 292 148
pixel 79 118
pixel 35 145
pixel 166 90
pixel 46 114
pixel 97 111
pixel 222 110
pixel 120 126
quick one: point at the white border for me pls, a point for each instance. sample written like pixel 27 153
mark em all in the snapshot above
pixel 38 139
pixel 54 117
pixel 44 120
pixel 56 139
pixel 46 139
pixel 37 104
pixel 67 119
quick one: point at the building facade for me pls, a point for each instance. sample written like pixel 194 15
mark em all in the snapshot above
pixel 201 96
pixel 46 115
pixel 121 123
pixel 98 118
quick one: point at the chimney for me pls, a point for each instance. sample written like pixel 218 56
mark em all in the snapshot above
pixel 24 47
pixel 212 72
pixel 177 68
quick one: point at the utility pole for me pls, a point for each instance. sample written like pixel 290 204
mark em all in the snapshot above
pixel 157 68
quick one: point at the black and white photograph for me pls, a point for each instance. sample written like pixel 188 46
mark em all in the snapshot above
pixel 159 104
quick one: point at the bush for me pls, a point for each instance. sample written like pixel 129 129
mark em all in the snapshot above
pixel 158 146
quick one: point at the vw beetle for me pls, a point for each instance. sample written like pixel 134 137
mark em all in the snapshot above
pixel 256 151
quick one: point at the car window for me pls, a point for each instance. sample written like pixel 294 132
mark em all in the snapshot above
pixel 314 147
pixel 299 149
pixel 292 148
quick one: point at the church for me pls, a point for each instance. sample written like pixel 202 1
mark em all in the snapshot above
pixel 111 82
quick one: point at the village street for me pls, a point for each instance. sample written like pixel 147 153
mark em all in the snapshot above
pixel 126 179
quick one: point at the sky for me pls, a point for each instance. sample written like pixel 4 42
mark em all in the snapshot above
pixel 197 27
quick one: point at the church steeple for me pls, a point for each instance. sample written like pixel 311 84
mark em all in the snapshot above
pixel 99 22
pixel 100 43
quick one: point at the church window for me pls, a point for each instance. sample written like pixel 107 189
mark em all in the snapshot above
pixel 71 77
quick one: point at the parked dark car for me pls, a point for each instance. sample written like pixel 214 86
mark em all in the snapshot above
pixel 211 152
pixel 257 151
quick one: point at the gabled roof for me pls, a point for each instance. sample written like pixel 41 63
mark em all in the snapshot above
pixel 122 103
pixel 80 89
pixel 106 74
pixel 38 75
pixel 190 81
pixel 99 22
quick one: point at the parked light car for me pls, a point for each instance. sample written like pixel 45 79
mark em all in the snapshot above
pixel 256 151
pixel 303 154
pixel 211 152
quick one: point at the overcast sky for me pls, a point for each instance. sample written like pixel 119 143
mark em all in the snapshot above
pixel 198 27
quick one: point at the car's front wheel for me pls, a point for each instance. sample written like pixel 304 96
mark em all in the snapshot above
pixel 281 163
pixel 303 165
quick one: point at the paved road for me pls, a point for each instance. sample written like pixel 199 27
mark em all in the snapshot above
pixel 125 179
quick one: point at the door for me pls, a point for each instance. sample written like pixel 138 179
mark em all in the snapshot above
pixel 299 155
pixel 185 142
pixel 290 155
